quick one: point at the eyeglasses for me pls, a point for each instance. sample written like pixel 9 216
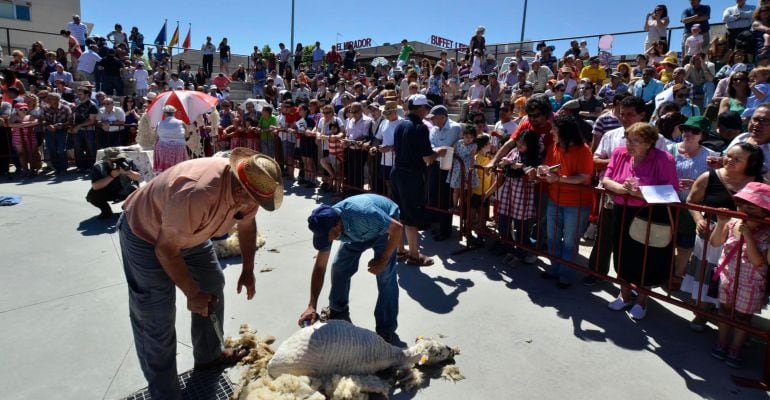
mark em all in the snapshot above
pixel 634 142
pixel 761 121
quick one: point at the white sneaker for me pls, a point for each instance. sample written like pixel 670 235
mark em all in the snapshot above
pixel 618 304
pixel 638 312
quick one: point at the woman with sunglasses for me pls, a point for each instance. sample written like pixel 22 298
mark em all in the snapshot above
pixel 656 25
pixel 737 93
pixel 691 161
pixel 681 95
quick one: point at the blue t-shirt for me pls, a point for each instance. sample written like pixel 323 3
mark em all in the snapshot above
pixel 365 217
pixel 700 10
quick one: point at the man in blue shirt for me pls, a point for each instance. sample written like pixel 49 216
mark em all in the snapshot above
pixel 318 56
pixel 738 19
pixel 362 222
pixel 648 87
pixel 696 14
pixel 260 78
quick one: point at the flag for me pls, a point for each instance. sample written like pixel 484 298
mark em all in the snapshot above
pixel 161 38
pixel 186 43
pixel 175 37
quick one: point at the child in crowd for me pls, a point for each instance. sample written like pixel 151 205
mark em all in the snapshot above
pixel 250 134
pixel 24 141
pixel 288 136
pixel 476 66
pixel 476 95
pixel 749 240
pixel 759 79
pixel 465 149
pixel 584 55
pixel 267 126
pixel 694 43
pixel 333 164
pixel 516 195
pixel 307 146
pixel 479 210
pixel 235 133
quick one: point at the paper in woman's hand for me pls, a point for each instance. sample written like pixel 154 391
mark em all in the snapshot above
pixel 659 194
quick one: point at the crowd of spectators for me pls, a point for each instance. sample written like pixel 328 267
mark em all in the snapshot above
pixel 543 129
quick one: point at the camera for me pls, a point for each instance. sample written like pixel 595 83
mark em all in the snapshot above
pixel 121 163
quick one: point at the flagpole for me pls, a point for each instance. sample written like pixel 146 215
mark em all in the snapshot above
pixel 171 50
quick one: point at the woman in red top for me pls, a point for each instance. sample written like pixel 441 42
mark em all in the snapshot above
pixel 9 79
pixel 568 165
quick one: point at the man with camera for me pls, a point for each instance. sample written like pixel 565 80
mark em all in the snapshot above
pixel 113 178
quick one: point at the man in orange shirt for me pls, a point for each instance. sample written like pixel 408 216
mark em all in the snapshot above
pixel 165 241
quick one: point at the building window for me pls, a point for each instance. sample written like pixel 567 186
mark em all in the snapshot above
pixel 15 11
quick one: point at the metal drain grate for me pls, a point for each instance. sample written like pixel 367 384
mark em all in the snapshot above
pixel 206 385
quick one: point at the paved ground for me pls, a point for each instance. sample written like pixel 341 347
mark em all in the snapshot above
pixel 63 309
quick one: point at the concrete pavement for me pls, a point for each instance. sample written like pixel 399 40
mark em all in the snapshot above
pixel 63 309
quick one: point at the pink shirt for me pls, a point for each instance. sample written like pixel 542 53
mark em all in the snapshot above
pixel 194 197
pixel 658 168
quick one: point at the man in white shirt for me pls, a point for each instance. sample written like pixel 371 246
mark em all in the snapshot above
pixel 111 120
pixel 87 63
pixel 444 133
pixel 208 49
pixel 385 137
pixel 539 76
pixel 283 58
pixel 357 129
pixel 175 83
pixel 758 134
pixel 504 127
pixel 79 31
pixel 277 80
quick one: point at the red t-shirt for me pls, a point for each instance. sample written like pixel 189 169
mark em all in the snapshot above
pixel 574 161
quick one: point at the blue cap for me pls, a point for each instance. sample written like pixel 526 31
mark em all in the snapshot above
pixel 321 221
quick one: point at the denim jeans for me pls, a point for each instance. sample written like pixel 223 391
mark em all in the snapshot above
pixel 56 144
pixel 152 309
pixel 565 226
pixel 346 264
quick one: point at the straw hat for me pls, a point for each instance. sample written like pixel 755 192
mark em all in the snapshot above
pixel 670 60
pixel 260 175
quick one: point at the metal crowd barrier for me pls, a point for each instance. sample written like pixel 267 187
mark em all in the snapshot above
pixel 536 198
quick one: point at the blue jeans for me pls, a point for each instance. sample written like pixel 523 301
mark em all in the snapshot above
pixel 565 224
pixel 345 266
pixel 258 90
pixel 56 144
pixel 152 308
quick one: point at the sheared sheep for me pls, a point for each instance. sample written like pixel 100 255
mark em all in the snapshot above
pixel 337 360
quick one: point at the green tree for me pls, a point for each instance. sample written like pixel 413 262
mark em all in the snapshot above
pixel 307 55
pixel 266 50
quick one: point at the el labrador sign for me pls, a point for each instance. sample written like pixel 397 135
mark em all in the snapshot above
pixel 357 44
pixel 446 43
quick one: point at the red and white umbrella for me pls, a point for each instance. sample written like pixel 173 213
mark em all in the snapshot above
pixel 189 105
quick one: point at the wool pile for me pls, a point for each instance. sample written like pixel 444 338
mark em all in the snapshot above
pixel 257 383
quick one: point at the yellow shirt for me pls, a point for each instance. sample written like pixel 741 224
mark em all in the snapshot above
pixel 595 75
pixel 485 179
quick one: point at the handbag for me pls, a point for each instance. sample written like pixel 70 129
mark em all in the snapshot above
pixel 660 234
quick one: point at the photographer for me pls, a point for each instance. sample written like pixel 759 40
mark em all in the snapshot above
pixel 112 179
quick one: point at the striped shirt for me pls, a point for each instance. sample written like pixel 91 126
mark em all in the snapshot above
pixel 365 217
pixel 605 123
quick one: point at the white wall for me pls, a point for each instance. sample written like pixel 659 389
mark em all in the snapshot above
pixel 49 16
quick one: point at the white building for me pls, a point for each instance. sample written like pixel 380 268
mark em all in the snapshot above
pixel 25 22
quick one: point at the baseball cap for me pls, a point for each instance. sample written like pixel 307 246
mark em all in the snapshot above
pixel 320 222
pixel 438 110
pixel 419 100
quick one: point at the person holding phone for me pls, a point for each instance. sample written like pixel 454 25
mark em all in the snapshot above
pixel 568 165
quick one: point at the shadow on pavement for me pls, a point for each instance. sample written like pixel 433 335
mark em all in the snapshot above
pixel 94 226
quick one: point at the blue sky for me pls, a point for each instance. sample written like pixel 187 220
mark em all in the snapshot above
pixel 252 23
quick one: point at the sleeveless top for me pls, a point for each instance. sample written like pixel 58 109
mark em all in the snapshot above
pixel 717 195
pixel 737 107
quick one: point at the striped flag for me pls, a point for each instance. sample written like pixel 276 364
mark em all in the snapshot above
pixel 186 43
pixel 161 38
pixel 175 37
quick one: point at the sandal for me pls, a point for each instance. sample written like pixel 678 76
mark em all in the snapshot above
pixel 230 356
pixel 420 261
